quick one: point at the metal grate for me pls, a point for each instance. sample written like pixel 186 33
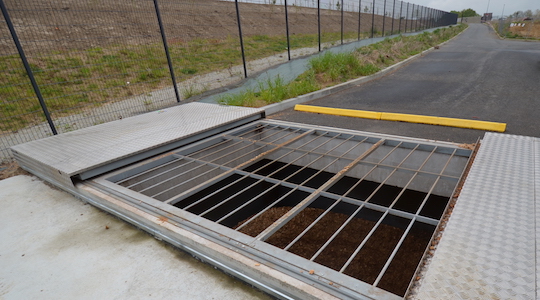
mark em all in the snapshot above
pixel 365 207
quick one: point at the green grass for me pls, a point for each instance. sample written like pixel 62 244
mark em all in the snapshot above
pixel 272 91
pixel 74 80
pixel 330 69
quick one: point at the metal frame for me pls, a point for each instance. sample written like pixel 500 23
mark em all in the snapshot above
pixel 306 148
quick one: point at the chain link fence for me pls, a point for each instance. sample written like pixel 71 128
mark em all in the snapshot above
pixel 70 64
pixel 519 27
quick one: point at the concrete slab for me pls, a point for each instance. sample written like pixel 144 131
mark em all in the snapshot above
pixel 56 247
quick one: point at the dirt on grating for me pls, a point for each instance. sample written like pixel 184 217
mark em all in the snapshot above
pixel 10 169
pixel 367 264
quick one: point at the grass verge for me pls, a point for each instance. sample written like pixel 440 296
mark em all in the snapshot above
pixel 73 80
pixel 330 69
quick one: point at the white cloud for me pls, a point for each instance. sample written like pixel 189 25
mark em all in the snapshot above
pixel 495 6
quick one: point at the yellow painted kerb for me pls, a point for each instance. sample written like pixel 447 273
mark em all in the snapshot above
pixel 442 121
pixel 339 111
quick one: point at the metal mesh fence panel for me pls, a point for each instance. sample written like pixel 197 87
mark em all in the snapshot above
pixel 94 61
pixel 264 33
pixel 303 28
pixel 19 107
pixel 204 45
pixel 99 61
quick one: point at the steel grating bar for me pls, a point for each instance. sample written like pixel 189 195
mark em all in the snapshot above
pixel 162 174
pixel 139 174
pixel 240 166
pixel 357 211
pixel 226 139
pixel 182 183
pixel 232 183
pixel 328 210
pixel 313 161
pixel 391 211
pixel 265 209
pixel 249 202
pixel 162 165
pixel 262 178
pixel 411 223
pixel 294 211
pixel 280 182
pixel 368 236
pixel 216 166
pixel 298 237
pixel 252 142
pixel 255 183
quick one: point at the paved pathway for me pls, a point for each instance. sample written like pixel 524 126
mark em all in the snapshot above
pixel 475 76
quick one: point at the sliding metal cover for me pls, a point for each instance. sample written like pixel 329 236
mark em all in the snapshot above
pixel 98 149
pixel 356 209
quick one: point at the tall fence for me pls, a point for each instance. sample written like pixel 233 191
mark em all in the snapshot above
pixel 69 64
pixel 518 27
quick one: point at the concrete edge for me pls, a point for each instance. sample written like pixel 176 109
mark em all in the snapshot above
pixel 432 120
pixel 264 277
pixel 290 103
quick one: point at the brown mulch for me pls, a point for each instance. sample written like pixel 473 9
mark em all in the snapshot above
pixel 10 169
pixel 367 263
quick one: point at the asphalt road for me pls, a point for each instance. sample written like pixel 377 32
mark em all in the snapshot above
pixel 475 76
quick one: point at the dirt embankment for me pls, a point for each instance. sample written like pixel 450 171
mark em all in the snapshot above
pixel 78 24
pixel 526 29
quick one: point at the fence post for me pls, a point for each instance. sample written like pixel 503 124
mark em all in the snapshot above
pixel 416 21
pixel 412 19
pixel 359 16
pixel 417 9
pixel 426 20
pixel 27 67
pixel 372 18
pixel 406 16
pixel 421 19
pixel 287 31
pixel 393 16
pixel 400 15
pixel 241 38
pixel 342 22
pixel 384 18
pixel 319 22
pixel 169 61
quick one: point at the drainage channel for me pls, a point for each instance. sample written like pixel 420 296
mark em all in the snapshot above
pixel 348 212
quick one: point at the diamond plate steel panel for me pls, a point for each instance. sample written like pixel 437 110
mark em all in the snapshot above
pixel 488 248
pixel 78 151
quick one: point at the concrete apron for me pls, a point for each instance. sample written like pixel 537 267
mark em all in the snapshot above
pixel 56 247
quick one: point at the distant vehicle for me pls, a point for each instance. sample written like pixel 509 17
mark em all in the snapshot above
pixel 527 19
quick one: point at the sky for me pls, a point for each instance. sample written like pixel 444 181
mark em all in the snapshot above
pixel 480 6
